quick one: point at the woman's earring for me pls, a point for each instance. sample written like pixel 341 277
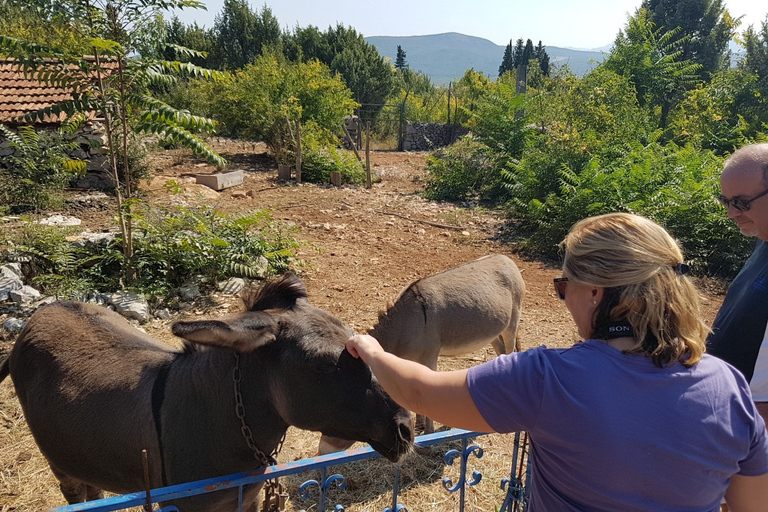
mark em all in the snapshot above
pixel 594 302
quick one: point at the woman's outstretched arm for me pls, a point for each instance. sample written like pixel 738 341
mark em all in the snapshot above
pixel 441 396
pixel 747 493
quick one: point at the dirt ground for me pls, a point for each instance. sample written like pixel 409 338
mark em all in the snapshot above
pixel 363 246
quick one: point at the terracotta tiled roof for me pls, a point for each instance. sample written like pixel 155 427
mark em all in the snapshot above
pixel 21 94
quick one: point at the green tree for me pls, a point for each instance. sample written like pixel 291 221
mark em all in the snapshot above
pixel 19 20
pixel 523 54
pixel 517 53
pixel 527 54
pixel 263 100
pixel 707 25
pixel 400 64
pixel 346 52
pixel 755 43
pixel 547 101
pixel 363 69
pixel 193 37
pixel 580 119
pixel 541 55
pixel 720 115
pixel 652 58
pixel 508 61
pixel 240 34
pixel 470 89
pixel 307 43
pixel 120 93
pixel 756 62
pixel 604 113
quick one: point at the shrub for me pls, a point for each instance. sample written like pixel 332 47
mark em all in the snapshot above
pixel 171 246
pixel 58 266
pixel 674 186
pixel 463 170
pixel 33 176
pixel 715 115
pixel 319 157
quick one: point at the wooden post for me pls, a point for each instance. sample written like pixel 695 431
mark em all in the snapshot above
pixel 449 102
pixel 367 154
pixel 359 131
pixel 351 143
pixel 401 124
pixel 521 87
pixel 456 108
pixel 298 151
pixel 336 178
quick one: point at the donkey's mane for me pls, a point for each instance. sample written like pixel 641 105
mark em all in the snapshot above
pixel 383 315
pixel 281 293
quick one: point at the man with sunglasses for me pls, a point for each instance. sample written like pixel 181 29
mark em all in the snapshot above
pixel 740 331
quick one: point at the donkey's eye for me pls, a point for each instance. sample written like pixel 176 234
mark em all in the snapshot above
pixel 327 368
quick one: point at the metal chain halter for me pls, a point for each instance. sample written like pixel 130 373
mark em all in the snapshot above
pixel 267 460
pixel 274 496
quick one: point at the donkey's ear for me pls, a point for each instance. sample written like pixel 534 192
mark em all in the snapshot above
pixel 242 333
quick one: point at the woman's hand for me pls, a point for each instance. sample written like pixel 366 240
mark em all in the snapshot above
pixel 363 346
pixel 443 396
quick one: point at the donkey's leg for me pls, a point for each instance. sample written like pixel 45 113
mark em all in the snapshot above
pixel 430 361
pixel 498 345
pixel 424 424
pixel 74 490
pixel 93 493
pixel 509 339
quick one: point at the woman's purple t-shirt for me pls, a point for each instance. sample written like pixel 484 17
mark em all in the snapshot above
pixel 611 431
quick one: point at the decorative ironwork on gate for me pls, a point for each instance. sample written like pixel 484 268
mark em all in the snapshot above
pixel 516 486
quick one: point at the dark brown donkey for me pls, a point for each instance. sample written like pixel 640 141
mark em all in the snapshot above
pixel 455 312
pixel 96 391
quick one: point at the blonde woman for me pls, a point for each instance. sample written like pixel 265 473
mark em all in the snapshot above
pixel 636 417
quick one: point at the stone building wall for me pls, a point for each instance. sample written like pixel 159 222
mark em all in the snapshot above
pixel 92 141
pixel 428 136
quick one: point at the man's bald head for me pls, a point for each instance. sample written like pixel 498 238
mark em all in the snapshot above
pixel 745 178
pixel 751 158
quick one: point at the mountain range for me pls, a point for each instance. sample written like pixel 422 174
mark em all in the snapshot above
pixel 446 57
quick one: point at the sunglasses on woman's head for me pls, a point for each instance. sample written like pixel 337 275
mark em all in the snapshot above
pixel 740 204
pixel 561 283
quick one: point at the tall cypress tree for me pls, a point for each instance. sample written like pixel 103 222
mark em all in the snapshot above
pixel 400 64
pixel 527 52
pixel 541 55
pixel 507 62
pixel 517 53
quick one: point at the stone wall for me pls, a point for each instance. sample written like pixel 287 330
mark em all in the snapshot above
pixel 92 141
pixel 428 136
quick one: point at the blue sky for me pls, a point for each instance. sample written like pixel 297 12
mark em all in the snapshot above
pixel 566 23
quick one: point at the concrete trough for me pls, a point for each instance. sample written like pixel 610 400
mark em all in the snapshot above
pixel 221 180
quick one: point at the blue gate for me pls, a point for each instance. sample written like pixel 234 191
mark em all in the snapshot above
pixel 516 497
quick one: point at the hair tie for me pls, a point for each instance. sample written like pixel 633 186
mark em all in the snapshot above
pixel 681 268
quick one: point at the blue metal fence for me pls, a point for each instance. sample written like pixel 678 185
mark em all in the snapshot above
pixel 516 497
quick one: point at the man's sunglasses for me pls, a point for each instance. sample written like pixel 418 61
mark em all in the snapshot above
pixel 740 204
pixel 561 283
